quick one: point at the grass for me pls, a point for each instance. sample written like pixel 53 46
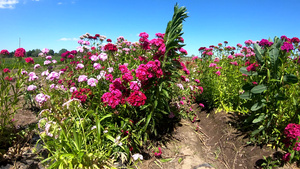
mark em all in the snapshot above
pixel 11 63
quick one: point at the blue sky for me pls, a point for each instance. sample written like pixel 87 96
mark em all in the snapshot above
pixel 57 24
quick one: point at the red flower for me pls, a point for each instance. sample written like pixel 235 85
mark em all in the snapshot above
pixel 8 78
pixel 6 70
pixel 29 60
pixel 108 40
pixel 4 52
pixel 110 47
pixel 20 52
pixel 137 98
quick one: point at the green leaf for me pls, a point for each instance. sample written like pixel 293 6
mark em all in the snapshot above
pixel 274 59
pixel 166 160
pixel 165 93
pixel 290 78
pixel 257 130
pixel 258 51
pixel 259 118
pixel 246 95
pixel 259 89
pixel 247 86
pixel 257 106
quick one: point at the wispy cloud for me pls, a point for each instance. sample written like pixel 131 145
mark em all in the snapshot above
pixel 68 39
pixel 59 3
pixel 8 3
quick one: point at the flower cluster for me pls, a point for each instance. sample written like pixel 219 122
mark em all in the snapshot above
pixel 292 135
pixel 110 47
pixel 287 46
pixel 150 70
pixel 265 42
pixel 20 52
pixel 41 98
pixel 29 60
pixel 81 94
pixel 6 70
pixel 4 52
pixel 137 98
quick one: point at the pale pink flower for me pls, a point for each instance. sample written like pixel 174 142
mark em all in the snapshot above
pixel 54 61
pixel 45 73
pixel 94 58
pixel 31 88
pixel 45 50
pixel 97 66
pixel 73 89
pixel 110 69
pixel 82 78
pixel 53 76
pixel 79 66
pixel 103 56
pixel 41 98
pixel 102 75
pixel 48 57
pixel 47 62
pixel 92 82
pixel 32 76
pixel 180 86
pixel 37 66
pixel 24 72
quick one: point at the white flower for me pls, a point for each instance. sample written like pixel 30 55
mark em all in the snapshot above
pixel 94 127
pixel 137 156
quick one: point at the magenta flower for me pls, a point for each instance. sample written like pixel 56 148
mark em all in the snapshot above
pixel 287 47
pixel 212 65
pixel 82 78
pixel 218 73
pixel 92 82
pixel 158 152
pixel 135 85
pixel 202 105
pixel 230 57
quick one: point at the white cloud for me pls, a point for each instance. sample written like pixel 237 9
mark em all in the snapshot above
pixel 68 39
pixel 59 3
pixel 8 3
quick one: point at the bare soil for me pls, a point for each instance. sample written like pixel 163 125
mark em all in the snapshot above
pixel 210 142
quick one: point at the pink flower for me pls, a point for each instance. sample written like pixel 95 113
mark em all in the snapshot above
pixel 48 57
pixel 53 76
pixel 286 157
pixel 202 105
pixel 32 76
pixel 45 50
pixel 82 78
pixel 103 56
pixel 47 62
pixel 183 51
pixel 196 80
pixel 37 66
pixel 181 102
pixel 135 85
pixel 255 83
pixel 97 66
pixel 218 73
pixel 171 115
pixel 41 98
pixel 79 66
pixel 230 57
pixel 212 65
pixel 73 89
pixel 24 72
pixel 180 86
pixel 94 58
pixel 31 88
pixel 92 82
pixel 110 69
pixel 157 154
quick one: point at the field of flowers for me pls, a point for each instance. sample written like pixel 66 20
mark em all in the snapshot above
pixel 105 102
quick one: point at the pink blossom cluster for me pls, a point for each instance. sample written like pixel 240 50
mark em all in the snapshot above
pixel 150 70
pixel 41 98
pixel 292 135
